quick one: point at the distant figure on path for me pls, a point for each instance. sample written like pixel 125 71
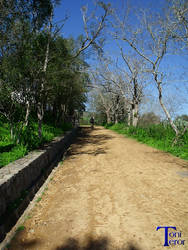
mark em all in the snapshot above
pixel 92 121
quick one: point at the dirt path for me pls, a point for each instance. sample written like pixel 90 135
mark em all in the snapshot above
pixel 111 192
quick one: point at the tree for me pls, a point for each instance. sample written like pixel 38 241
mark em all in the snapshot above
pixel 91 35
pixel 93 26
pixel 178 20
pixel 135 81
pixel 149 119
pixel 21 22
pixel 108 96
pixel 157 36
pixel 181 121
pixel 30 51
pixel 125 84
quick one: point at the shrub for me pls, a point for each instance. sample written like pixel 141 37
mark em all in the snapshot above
pixel 66 126
pixel 16 153
pixel 28 139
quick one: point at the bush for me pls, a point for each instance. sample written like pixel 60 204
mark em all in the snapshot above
pixel 27 137
pixel 67 126
pixel 108 125
pixel 16 153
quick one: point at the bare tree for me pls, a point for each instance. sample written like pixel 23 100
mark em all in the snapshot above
pixel 178 20
pixel 93 26
pixel 127 83
pixel 134 75
pixel 102 97
pixel 150 39
pixel 108 96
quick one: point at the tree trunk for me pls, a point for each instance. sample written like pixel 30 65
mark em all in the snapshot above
pixel 11 131
pixel 135 114
pixel 135 104
pixel 116 118
pixel 27 113
pixel 40 114
pixel 40 105
pixel 165 110
pixel 129 117
pixel 108 116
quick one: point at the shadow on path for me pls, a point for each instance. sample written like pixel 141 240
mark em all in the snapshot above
pixel 87 137
pixel 94 244
pixel 18 243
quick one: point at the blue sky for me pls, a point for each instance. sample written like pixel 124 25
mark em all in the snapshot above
pixel 74 25
pixel 175 66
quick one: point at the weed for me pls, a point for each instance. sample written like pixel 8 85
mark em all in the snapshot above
pixel 20 228
pixel 28 217
pixel 39 199
pixel 7 246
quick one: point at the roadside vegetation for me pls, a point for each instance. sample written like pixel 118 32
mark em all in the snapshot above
pixel 10 150
pixel 43 75
pixel 159 136
pixel 142 77
pixel 45 79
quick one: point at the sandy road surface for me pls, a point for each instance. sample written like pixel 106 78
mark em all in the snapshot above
pixel 111 192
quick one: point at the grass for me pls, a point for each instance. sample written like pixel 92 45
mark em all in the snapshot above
pixel 39 199
pixel 20 228
pixel 156 136
pixel 17 152
pixel 43 193
pixel 10 151
pixel 28 217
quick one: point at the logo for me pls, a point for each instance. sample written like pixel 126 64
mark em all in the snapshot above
pixel 171 238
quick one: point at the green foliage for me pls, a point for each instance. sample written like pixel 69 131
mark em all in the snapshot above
pixel 114 126
pixel 4 133
pixel 27 135
pixel 28 139
pixel 67 126
pixel 20 228
pixel 24 82
pixel 157 136
pixel 31 89
pixel 39 199
pixel 14 154
pixel 84 121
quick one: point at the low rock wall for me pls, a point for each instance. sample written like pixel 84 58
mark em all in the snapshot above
pixel 20 180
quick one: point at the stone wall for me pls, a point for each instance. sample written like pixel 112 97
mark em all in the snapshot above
pixel 20 180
